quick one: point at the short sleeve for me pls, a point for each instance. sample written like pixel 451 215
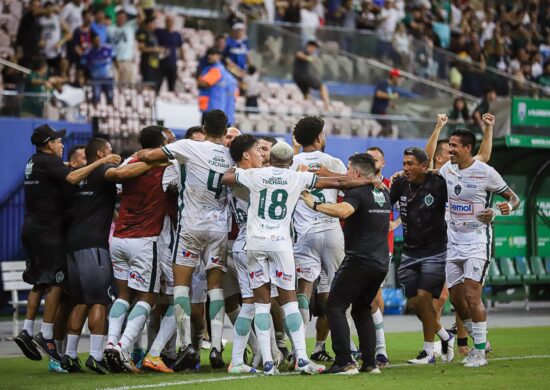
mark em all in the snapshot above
pixel 244 178
pixel 180 150
pixel 444 170
pixel 353 197
pixel 56 169
pixel 170 175
pixel 495 182
pixel 308 180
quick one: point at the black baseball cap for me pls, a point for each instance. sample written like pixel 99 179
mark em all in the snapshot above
pixel 45 133
pixel 213 50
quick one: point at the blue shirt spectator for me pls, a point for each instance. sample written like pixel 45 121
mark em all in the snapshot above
pixel 236 48
pixel 169 39
pixel 99 62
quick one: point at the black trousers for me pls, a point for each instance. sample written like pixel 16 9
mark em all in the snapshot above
pixel 355 283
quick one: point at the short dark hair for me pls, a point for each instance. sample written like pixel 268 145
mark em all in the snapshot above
pixel 308 129
pixel 215 123
pixel 151 137
pixel 417 153
pixel 439 146
pixel 241 144
pixel 489 90
pixel 193 130
pixel 466 137
pixel 73 150
pixel 251 69
pixel 364 162
pixel 376 148
pixel 94 146
pixel 271 140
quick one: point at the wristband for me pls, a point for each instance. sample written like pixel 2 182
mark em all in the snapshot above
pixel 315 204
pixel 510 206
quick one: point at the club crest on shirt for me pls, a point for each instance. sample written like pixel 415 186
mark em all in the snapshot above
pixel 429 199
pixel 458 189
pixel 28 169
pixel 379 197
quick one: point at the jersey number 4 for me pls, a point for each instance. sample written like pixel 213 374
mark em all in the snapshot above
pixel 215 183
pixel 277 208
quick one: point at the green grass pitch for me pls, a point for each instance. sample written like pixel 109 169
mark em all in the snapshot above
pixel 521 360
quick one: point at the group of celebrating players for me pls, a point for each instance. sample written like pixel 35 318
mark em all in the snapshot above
pixel 174 248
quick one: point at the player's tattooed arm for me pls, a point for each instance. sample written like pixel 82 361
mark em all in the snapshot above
pixel 128 171
pixel 338 210
pixel 431 145
pixel 505 208
pixel 152 155
pixel 484 153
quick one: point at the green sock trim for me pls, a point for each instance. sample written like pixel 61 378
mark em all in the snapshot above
pixel 293 321
pixel 184 303
pixel 303 301
pixel 118 310
pixel 262 321
pixel 169 311
pixel 243 325
pixel 137 311
pixel 480 346
pixel 215 308
pixel 379 326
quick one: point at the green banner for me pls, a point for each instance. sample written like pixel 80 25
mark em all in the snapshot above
pixel 530 112
pixel 528 141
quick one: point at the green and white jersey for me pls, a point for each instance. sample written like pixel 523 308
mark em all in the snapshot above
pixel 238 199
pixel 274 193
pixel 305 219
pixel 204 204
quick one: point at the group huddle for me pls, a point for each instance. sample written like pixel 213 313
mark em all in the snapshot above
pixel 177 259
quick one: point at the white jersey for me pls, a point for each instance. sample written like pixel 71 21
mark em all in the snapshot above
pixel 203 205
pixel 51 35
pixel 306 219
pixel 239 201
pixel 274 193
pixel 470 192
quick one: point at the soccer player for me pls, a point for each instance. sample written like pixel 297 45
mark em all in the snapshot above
pixel 135 252
pixel 422 198
pixel 274 191
pixel 87 246
pixel 202 231
pixel 470 184
pixel 230 135
pixel 319 241
pixel 196 133
pixel 246 152
pixel 266 143
pixel 366 210
pixel 43 235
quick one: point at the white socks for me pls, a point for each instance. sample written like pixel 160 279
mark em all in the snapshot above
pixel 262 325
pixel 429 348
pixel 182 310
pixel 443 334
pixel 216 313
pixel 241 332
pixel 468 326
pixel 28 325
pixel 295 326
pixel 303 305
pixel 47 330
pixel 96 346
pixel 167 329
pixel 319 345
pixel 117 315
pixel 480 336
pixel 72 345
pixel 380 337
pixel 134 325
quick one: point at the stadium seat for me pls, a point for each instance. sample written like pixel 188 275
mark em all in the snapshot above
pixel 507 267
pixel 538 269
pixel 495 276
pixel 523 269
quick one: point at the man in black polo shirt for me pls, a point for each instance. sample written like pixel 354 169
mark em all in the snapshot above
pixel 42 235
pixel 367 213
pixel 422 197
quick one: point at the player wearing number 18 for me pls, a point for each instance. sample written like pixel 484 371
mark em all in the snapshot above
pixel 274 193
pixel 203 238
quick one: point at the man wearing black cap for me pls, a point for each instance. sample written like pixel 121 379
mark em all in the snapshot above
pixel 211 83
pixel 304 75
pixel 42 234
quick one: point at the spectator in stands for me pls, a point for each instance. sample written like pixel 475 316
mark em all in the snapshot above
pixel 303 73
pixel 54 34
pixel 367 18
pixel 288 11
pixel 150 53
pixel 99 25
pixel 387 22
pixel 489 97
pixel 424 62
pixel 251 85
pixel 29 33
pixel 99 63
pixel 211 83
pixel 544 78
pixel 123 38
pixel 401 43
pixel 231 93
pixel 108 7
pixel 71 14
pixel 36 85
pixel 309 20
pixel 195 133
pixel 81 42
pixel 383 98
pixel 219 44
pixel 236 51
pixel 459 114
pixel 172 42
pixel 12 80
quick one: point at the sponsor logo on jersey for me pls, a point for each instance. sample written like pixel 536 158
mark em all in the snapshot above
pixel 188 254
pixel 471 186
pixel 429 199
pixel 137 277
pixel 379 198
pixel 59 277
pixel 28 169
pixel 458 189
pixel 256 274
pixel 284 276
pixel 278 181
pixel 215 259
pixel 462 208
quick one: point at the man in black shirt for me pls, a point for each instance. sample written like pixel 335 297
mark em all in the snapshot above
pixel 151 53
pixel 304 76
pixel 367 213
pixel 87 245
pixel 422 197
pixel 42 235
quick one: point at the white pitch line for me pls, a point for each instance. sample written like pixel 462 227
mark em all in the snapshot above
pixel 243 377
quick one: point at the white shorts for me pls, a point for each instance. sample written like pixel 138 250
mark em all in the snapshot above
pixel 277 268
pixel 192 246
pixel 137 261
pixel 323 286
pixel 166 241
pixel 316 251
pixel 466 262
pixel 240 260
pixel 199 285
pixel 231 278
